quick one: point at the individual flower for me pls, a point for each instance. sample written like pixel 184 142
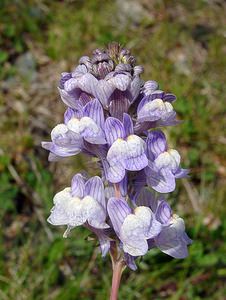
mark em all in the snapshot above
pixel 88 122
pixel 164 164
pixel 133 228
pixel 80 126
pixel 172 239
pixel 155 108
pixel 64 143
pixel 126 150
pixel 83 202
pixel 109 75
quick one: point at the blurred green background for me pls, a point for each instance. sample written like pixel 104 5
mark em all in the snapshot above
pixel 182 46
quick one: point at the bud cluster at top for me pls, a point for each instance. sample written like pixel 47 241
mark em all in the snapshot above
pixel 113 115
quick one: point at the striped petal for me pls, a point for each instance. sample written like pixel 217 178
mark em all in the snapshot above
pixel 118 210
pixel 156 144
pixel 94 110
pixel 113 130
pixel 94 187
pixel 78 186
pixel 128 124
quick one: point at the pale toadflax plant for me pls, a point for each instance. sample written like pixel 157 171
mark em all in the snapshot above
pixel 112 115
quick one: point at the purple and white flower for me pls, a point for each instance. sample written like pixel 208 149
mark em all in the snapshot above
pixel 172 239
pixel 126 150
pixel 164 164
pixel 109 116
pixel 64 143
pixel 155 109
pixel 88 122
pixel 110 76
pixel 82 202
pixel 133 228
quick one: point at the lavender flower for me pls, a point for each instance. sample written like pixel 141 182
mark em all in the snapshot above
pixel 111 116
pixel 82 202
pixel 164 164
pixel 133 228
pixel 109 75
pixel 127 150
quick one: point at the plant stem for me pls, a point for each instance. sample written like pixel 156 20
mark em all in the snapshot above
pixel 117 190
pixel 118 268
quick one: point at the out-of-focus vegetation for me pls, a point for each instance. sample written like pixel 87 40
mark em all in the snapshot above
pixel 182 46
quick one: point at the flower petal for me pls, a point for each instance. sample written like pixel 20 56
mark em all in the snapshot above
pixel 173 240
pixel 113 130
pixel 119 103
pixel 71 113
pixel 116 159
pixel 135 157
pixel 94 187
pixel 95 212
pixel 128 124
pixel 161 181
pixel 130 261
pixel 135 88
pixel 120 81
pixel 156 144
pixel 118 210
pixel 154 110
pixel 69 99
pixel 94 110
pixel 88 129
pixel 115 172
pixel 163 212
pixel 169 159
pixel 146 198
pixel 59 215
pixel 78 186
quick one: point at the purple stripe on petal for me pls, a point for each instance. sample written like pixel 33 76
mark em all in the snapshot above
pixel 94 110
pixel 119 103
pixel 123 186
pixel 104 92
pixel 94 187
pixel 78 186
pixel 71 113
pixel 163 212
pixel 156 144
pixel 128 124
pixel 118 210
pixel 113 130
pixel 68 99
